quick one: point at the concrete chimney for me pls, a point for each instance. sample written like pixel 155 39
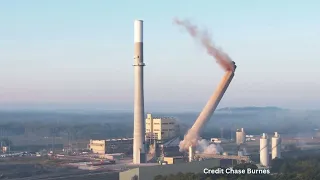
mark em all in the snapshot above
pixel 213 102
pixel 139 154
pixel 191 153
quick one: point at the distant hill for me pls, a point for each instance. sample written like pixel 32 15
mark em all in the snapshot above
pixel 251 108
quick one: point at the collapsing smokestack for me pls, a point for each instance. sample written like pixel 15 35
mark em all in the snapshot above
pixel 192 136
pixel 139 154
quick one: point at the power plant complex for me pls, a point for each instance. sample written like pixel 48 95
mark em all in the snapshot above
pixel 158 145
pixel 156 139
pixel 155 129
pixel 153 126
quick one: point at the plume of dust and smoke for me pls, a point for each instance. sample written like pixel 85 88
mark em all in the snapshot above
pixel 206 148
pixel 204 37
pixel 201 145
pixel 192 137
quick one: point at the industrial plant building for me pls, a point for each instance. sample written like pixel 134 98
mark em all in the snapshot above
pixel 149 172
pixel 170 148
pixel 110 146
pixel 161 128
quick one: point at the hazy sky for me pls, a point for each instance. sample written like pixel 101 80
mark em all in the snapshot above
pixel 81 51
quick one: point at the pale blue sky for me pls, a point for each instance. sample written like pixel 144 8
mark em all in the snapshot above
pixel 81 51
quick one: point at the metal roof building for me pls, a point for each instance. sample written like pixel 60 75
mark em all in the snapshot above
pixel 149 172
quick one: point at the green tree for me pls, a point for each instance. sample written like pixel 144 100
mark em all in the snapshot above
pixel 276 164
pixel 221 178
pixel 284 168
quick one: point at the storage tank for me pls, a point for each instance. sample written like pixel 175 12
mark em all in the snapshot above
pixel 264 155
pixel 276 146
pixel 240 136
pixel 243 136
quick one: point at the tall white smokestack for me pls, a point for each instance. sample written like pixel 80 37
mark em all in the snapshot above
pixel 139 155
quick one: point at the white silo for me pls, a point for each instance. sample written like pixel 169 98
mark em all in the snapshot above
pixel 276 146
pixel 240 136
pixel 264 155
pixel 243 136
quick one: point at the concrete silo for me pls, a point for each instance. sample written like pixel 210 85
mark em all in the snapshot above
pixel 240 136
pixel 276 146
pixel 264 154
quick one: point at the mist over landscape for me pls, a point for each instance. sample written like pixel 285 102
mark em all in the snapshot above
pixel 103 124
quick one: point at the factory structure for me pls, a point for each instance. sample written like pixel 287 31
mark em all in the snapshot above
pixel 157 130
pixel 156 146
pixel 210 107
pixel 139 145
pixel 265 148
pixel 110 146
pixel 240 136
pixel 161 133
pixel 215 99
pixel 161 128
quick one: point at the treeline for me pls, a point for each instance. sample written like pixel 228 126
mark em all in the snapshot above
pixel 221 176
pixel 302 168
pixel 95 130
pixel 74 130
